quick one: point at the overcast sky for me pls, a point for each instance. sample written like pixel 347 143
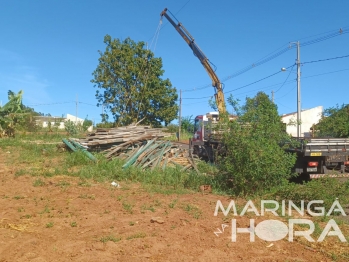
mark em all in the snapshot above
pixel 49 49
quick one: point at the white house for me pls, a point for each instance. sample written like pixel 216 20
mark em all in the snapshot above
pixel 59 121
pixel 309 117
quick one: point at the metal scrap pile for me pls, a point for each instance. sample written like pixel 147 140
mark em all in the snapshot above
pixel 139 146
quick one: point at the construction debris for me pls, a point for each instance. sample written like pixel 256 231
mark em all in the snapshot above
pixel 139 146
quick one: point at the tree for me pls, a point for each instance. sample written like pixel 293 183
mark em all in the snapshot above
pixel 253 158
pixel 187 124
pixel 11 114
pixel 334 122
pixel 129 77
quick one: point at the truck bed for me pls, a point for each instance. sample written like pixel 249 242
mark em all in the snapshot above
pixel 322 146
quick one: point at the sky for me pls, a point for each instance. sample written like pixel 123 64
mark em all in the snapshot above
pixel 49 49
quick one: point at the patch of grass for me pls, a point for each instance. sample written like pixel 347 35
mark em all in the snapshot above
pixel 18 197
pixel 131 223
pixel 194 211
pixel 84 183
pixel 128 207
pixel 63 184
pixel 21 209
pixel 49 224
pixel 138 235
pixel 38 182
pixel 119 198
pixel 46 210
pixel 85 196
pixel 20 172
pixel 150 208
pixel 73 224
pixel 173 203
pixel 110 238
pixel 326 189
pixel 26 216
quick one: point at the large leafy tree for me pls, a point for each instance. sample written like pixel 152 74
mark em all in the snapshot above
pixel 254 159
pixel 334 122
pixel 128 77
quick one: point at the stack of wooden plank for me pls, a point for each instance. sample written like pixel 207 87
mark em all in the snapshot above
pixel 151 154
pixel 139 146
pixel 104 138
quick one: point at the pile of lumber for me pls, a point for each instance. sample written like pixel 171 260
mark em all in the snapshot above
pixel 151 154
pixel 104 138
pixel 139 146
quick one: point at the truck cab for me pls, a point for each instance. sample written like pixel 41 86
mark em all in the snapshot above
pixel 203 126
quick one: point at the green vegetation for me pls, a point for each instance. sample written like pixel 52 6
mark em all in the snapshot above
pixel 110 238
pixel 254 165
pixel 253 160
pixel 138 235
pixel 326 189
pixel 194 211
pixel 129 77
pixel 12 114
pixel 38 182
pixel 49 224
pixel 334 122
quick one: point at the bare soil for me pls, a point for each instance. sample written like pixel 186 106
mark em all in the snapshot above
pixel 63 218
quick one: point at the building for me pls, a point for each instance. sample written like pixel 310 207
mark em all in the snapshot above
pixel 309 117
pixel 58 122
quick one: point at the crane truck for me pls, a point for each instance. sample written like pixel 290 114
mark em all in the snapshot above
pixel 203 143
pixel 315 157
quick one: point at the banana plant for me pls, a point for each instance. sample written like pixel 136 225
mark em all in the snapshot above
pixel 11 114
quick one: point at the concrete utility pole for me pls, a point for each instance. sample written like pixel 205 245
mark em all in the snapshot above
pixel 76 118
pixel 180 114
pixel 272 96
pixel 299 110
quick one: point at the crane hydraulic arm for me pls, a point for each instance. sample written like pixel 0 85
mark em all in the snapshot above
pixel 219 95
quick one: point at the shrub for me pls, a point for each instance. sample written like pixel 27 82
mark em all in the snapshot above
pixel 253 159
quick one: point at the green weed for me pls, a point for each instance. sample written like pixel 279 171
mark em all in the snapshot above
pixel 128 207
pixel 49 225
pixel 109 238
pixel 138 235
pixel 38 182
pixel 18 197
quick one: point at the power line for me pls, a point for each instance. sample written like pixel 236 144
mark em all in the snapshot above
pixel 326 73
pixel 57 103
pixel 326 59
pixel 269 86
pixel 244 85
pixel 276 54
pixel 285 80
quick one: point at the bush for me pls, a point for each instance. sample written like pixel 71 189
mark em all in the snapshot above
pixel 253 160
pixel 71 128
pixel 326 189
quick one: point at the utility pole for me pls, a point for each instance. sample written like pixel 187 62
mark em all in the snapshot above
pixel 272 96
pixel 180 115
pixel 76 118
pixel 299 110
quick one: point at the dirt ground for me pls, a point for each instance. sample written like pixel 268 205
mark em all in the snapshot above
pixel 63 218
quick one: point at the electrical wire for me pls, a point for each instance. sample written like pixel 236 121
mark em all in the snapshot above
pixel 277 53
pixel 326 59
pixel 285 80
pixel 56 103
pixel 244 85
pixel 268 87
